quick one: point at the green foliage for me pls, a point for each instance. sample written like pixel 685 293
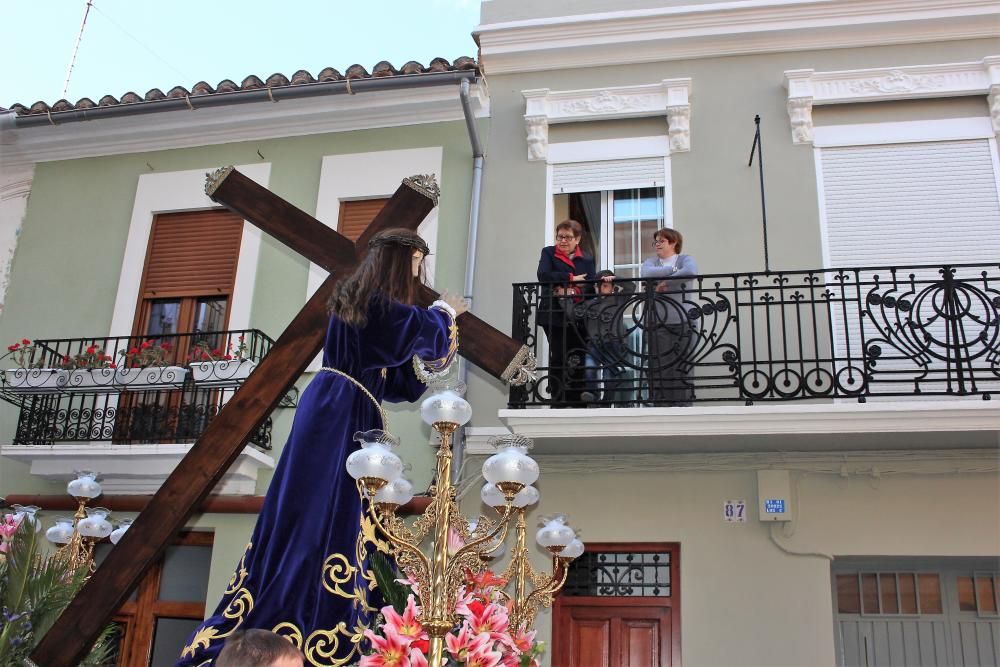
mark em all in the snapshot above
pixel 34 590
pixel 386 575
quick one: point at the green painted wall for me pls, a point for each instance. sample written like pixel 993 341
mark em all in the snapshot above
pixel 716 203
pixel 66 269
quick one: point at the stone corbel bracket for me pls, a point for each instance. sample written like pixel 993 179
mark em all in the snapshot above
pixel 669 98
pixel 807 88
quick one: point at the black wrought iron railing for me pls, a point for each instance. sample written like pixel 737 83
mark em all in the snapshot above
pixel 852 333
pixel 129 389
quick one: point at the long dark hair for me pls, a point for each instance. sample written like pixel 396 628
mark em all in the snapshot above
pixel 386 273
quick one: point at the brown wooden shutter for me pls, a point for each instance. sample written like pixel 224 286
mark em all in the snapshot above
pixel 192 254
pixel 355 216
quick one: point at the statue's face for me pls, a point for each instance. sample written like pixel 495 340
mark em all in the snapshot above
pixel 418 259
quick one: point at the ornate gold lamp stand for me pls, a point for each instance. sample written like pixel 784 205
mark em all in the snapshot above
pixel 438 571
pixel 77 536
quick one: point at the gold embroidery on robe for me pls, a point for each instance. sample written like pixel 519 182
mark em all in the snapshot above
pixel 238 608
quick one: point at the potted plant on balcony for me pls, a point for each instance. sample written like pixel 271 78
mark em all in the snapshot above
pixel 211 366
pixel 31 374
pixel 148 365
pixel 89 369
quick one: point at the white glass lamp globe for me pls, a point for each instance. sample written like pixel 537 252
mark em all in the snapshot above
pixel 526 497
pixel 574 549
pixel 96 526
pixel 85 485
pixel 375 464
pixel 446 405
pixel 61 532
pixel 27 513
pixel 554 535
pixel 511 469
pixel 119 532
pixel 493 496
pixel 396 493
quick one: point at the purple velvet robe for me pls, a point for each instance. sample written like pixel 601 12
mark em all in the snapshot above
pixel 300 575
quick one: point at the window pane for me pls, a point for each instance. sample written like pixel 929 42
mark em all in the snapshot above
pixel 930 593
pixel 848 596
pixel 986 595
pixel 163 317
pixel 966 594
pixel 869 593
pixel 907 594
pixel 168 641
pixel 101 551
pixel 185 574
pixel 210 314
pixel 636 214
pixel 887 586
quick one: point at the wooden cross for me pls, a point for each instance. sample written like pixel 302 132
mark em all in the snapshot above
pixel 69 640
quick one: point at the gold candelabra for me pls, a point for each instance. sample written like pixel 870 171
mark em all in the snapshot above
pixel 438 571
pixel 78 535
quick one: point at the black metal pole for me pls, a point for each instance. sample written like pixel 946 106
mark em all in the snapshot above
pixel 758 146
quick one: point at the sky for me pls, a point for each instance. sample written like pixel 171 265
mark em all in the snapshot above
pixel 136 45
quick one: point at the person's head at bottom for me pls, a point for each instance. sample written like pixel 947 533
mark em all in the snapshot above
pixel 258 648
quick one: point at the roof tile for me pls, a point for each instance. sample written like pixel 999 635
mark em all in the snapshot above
pixel 302 77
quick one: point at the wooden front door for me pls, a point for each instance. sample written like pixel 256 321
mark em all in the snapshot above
pixel 620 608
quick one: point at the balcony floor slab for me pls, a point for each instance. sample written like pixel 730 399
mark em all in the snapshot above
pixel 883 425
pixel 131 469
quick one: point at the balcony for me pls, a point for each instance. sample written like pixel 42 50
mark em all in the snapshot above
pixel 878 355
pixel 131 407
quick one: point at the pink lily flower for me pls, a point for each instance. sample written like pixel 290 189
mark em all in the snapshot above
pixel 407 625
pixel 392 650
pixel 484 657
pixel 466 642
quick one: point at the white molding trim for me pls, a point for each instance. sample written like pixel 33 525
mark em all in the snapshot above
pixel 669 98
pixel 132 469
pixel 367 175
pixel 873 417
pixel 807 88
pixel 240 123
pixel 726 28
pixel 871 134
pixel 15 188
pixel 477 439
pixel 170 192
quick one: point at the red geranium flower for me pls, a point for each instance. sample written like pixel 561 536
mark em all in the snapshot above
pixel 25 341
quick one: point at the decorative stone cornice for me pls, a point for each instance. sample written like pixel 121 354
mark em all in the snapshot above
pixel 669 98
pixel 699 29
pixel 807 88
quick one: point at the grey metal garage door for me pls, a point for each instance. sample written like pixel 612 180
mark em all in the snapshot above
pixel 920 612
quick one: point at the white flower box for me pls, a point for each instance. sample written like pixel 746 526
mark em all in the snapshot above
pixel 83 379
pixel 150 376
pixel 222 373
pixel 35 380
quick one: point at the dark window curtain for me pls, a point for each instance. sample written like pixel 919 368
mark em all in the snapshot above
pixel 585 208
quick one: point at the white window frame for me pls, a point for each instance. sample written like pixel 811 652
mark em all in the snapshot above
pixel 353 176
pixel 173 192
pixel 601 150
pixel 873 134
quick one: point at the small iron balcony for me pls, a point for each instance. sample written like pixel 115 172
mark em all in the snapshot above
pixel 130 389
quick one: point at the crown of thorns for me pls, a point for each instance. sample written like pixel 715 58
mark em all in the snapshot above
pixel 395 239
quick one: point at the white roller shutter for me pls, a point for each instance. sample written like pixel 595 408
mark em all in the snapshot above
pixel 608 175
pixel 917 203
pixel 907 204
